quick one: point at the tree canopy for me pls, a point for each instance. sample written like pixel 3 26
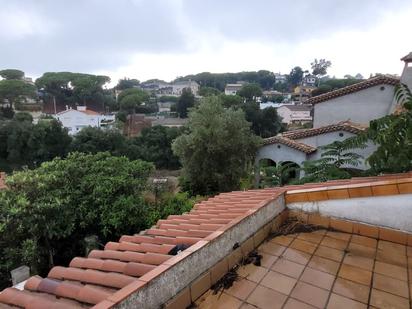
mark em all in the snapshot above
pixel 218 149
pixel 133 100
pixel 295 76
pixel 250 91
pixel 46 212
pixel 12 74
pixel 127 83
pixel 186 101
pixel 14 91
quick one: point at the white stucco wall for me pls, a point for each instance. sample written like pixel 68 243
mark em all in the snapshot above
pixel 394 211
pixel 328 138
pixel 284 153
pixel 360 107
pixel 75 120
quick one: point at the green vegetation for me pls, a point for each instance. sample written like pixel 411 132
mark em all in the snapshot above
pixel 333 84
pixel 10 74
pixel 47 212
pixel 23 143
pixel 393 136
pixel 218 149
pixel 186 101
pixel 15 91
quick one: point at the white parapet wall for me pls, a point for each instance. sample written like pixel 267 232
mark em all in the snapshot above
pixel 393 211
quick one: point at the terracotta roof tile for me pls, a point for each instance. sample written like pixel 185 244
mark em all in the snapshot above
pixel 347 126
pixel 289 142
pixel 374 81
pixel 94 279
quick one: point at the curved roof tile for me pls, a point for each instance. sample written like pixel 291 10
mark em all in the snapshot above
pixel 374 81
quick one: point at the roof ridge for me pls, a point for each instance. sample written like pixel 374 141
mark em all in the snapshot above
pixel 289 142
pixel 345 125
pixel 373 81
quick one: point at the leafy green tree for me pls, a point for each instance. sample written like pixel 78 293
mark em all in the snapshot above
pixel 320 67
pixel 333 84
pixel 155 145
pixel 94 140
pixel 335 159
pixel 168 98
pixel 208 91
pixel 6 112
pixel 279 175
pixel 266 122
pixel 295 76
pixel 186 101
pixel 10 74
pixel 23 143
pixel 15 91
pixel 127 83
pixel 218 149
pixel 392 134
pixel 87 87
pixel 250 91
pixel 46 212
pixel 47 141
pixel 130 100
pixel 234 101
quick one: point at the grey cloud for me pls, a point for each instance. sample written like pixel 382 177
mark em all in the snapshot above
pixel 92 35
pixel 287 21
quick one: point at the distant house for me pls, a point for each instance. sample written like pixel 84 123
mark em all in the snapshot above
pixel 337 115
pixel 189 84
pixel 135 124
pixel 232 89
pixel 280 78
pixel 309 81
pixel 76 119
pixel 295 113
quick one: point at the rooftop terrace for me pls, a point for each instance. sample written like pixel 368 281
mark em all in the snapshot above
pixel 372 222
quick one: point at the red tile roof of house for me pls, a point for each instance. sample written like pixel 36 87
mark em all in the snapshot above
pixel 371 82
pixel 91 280
pixel 289 142
pixel 347 126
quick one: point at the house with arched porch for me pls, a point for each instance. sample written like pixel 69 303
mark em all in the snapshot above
pixel 338 115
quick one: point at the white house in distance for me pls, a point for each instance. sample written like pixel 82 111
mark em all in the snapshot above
pixel 188 84
pixel 337 115
pixel 232 89
pixel 76 119
pixel 291 113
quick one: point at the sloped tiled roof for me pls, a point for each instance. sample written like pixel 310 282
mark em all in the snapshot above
pixel 374 81
pixel 90 280
pixel 93 280
pixel 347 126
pixel 289 142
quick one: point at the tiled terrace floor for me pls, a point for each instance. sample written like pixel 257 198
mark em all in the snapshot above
pixel 322 269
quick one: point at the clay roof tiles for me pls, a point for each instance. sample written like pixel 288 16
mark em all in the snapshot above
pixel 88 281
pixel 374 81
pixel 289 142
pixel 347 126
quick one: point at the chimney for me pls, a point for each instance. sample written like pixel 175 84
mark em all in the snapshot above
pixel 67 107
pixel 406 77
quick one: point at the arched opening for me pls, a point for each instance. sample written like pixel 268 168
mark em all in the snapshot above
pixel 272 174
pixel 291 170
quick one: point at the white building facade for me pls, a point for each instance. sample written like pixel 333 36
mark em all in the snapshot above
pixel 77 119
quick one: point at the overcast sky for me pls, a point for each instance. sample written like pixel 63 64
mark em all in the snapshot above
pixel 168 38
